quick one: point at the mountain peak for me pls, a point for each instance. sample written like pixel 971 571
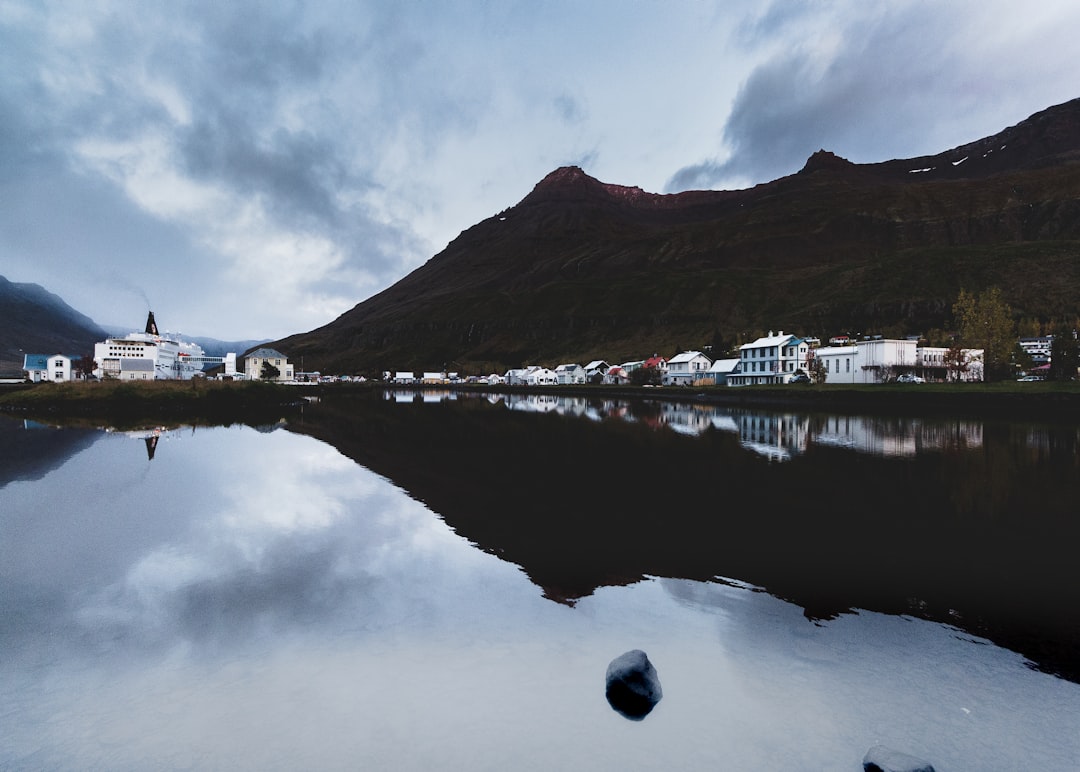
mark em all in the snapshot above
pixel 571 183
pixel 826 160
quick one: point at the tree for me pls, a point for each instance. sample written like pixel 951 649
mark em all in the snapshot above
pixel 84 366
pixel 645 376
pixel 815 368
pixel 1064 354
pixel 985 321
pixel 268 372
pixel 957 362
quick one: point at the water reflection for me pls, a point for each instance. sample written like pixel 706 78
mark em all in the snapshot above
pixel 953 520
pixel 256 600
pixel 778 436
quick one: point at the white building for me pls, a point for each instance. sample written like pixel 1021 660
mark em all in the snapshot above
pixel 771 359
pixel 932 363
pixel 56 368
pixel 570 374
pixel 686 369
pixel 540 376
pixel 722 369
pixel 879 360
pixel 840 363
pixel 595 370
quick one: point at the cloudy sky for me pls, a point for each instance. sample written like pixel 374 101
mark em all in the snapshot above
pixel 254 169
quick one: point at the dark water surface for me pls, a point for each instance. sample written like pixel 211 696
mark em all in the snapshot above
pixel 416 581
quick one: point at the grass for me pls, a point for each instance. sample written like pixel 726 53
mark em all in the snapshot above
pixel 118 401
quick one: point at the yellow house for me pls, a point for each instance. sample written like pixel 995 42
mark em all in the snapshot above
pixel 271 360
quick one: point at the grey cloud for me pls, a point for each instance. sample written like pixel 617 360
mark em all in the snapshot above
pixel 569 109
pixel 894 87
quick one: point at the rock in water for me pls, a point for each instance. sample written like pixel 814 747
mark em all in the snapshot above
pixel 633 687
pixel 882 759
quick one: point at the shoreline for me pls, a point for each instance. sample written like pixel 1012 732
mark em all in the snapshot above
pixel 239 399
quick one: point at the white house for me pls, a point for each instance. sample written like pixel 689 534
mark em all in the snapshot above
pixel 616 375
pixel 540 376
pixel 55 368
pixel 253 365
pixel 570 374
pixel 686 368
pixel 771 359
pixel 722 369
pixel 597 367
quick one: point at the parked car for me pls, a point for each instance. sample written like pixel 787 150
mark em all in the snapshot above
pixel 910 378
pixel 800 378
pixel 1030 378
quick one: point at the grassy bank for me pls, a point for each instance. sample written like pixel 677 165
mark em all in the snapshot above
pixel 129 402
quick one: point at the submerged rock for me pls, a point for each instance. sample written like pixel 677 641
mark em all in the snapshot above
pixel 882 759
pixel 633 687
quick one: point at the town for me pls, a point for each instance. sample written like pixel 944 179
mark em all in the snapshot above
pixel 775 358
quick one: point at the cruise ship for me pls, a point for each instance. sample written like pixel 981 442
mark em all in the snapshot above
pixel 148 355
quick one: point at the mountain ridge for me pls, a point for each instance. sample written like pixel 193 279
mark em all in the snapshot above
pixel 583 269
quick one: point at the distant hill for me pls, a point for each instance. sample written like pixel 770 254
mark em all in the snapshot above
pixel 36 321
pixel 580 269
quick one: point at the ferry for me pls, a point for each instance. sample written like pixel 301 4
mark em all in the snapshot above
pixel 148 355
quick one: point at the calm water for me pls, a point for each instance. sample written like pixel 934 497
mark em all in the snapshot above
pixel 409 583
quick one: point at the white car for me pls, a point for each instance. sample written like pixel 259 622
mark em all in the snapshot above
pixel 910 378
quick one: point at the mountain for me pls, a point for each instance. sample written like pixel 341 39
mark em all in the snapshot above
pixel 580 269
pixel 35 321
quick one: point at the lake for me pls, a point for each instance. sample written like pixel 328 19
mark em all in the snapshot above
pixel 433 580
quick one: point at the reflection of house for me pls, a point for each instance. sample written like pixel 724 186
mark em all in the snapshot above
pixel 686 368
pixel 270 358
pixel 776 436
pixel 55 368
pixel 772 359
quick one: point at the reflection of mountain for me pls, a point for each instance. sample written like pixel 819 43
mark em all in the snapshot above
pixel 579 504
pixel 29 451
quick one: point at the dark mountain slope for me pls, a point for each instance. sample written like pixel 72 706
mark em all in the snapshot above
pixel 580 269
pixel 35 321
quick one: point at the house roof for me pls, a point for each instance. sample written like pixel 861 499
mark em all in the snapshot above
pixel 266 353
pixel 654 361
pixel 136 364
pixel 724 366
pixel 596 364
pixel 563 368
pixel 770 340
pixel 686 356
pixel 35 362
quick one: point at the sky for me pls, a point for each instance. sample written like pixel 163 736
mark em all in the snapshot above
pixel 250 170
